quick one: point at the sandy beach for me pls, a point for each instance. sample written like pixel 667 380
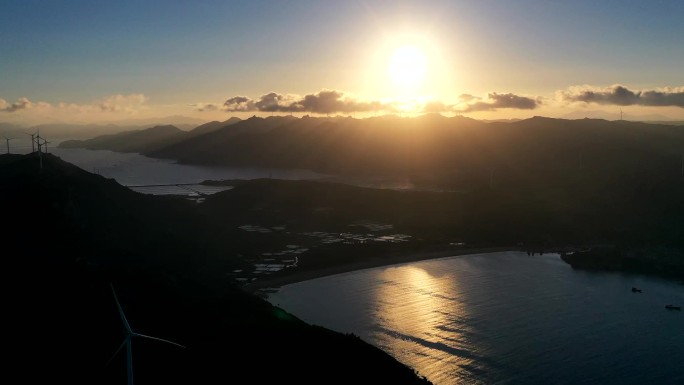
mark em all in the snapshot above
pixel 387 260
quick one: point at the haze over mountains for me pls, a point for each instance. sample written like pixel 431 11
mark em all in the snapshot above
pixel 147 140
pixel 61 131
pixel 455 152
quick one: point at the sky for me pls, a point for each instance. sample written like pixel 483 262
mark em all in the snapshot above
pixel 87 61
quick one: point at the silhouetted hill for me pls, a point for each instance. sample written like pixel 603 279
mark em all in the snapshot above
pixel 213 142
pixel 211 127
pixel 131 141
pixel 145 140
pixel 71 233
pixel 459 150
pixel 65 130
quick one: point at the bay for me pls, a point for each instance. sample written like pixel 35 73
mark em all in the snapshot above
pixel 505 318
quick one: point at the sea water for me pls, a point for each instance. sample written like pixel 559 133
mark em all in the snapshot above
pixel 505 318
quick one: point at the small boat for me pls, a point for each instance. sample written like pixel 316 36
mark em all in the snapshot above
pixel 673 307
pixel 635 290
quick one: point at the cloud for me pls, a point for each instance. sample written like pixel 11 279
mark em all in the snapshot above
pixel 20 104
pixel 469 103
pixel 205 106
pixel 122 103
pixel 323 102
pixel 466 98
pixel 495 101
pixel 239 103
pixel 622 96
pixel 327 102
pixel 436 106
pixel 114 104
pixel 274 102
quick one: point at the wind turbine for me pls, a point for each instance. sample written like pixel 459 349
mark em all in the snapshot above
pixel 45 142
pixel 33 141
pixel 40 147
pixel 8 139
pixel 129 334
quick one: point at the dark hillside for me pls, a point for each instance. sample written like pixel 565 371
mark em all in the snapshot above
pixel 140 141
pixel 73 233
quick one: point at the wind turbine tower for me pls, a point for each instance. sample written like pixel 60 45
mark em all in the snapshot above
pixel 40 147
pixel 33 141
pixel 45 142
pixel 8 139
pixel 128 337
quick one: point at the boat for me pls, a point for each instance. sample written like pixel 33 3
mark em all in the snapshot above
pixel 635 290
pixel 673 307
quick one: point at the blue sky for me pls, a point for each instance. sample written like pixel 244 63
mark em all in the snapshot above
pixel 179 53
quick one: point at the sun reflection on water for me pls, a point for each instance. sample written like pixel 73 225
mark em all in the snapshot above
pixel 413 308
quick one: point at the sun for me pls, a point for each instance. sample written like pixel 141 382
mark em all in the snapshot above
pixel 407 67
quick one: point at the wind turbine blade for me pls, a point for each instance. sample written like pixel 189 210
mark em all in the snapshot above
pixel 117 351
pixel 158 339
pixel 121 312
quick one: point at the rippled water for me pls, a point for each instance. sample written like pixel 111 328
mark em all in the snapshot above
pixel 505 318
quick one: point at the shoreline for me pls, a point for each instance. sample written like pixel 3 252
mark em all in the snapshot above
pixel 386 260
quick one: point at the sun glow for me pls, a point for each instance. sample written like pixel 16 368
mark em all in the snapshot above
pixel 407 67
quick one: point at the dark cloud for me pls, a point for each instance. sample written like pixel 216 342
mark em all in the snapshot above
pixel 495 101
pixel 275 102
pixel 622 96
pixel 20 104
pixel 239 103
pixel 332 101
pixel 323 102
pixel 328 102
pixel 670 97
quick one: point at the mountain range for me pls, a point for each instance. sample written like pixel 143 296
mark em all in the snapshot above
pixel 147 140
pixel 57 131
pixel 451 153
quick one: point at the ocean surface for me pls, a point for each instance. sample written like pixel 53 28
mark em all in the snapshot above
pixel 505 318
pixel 135 169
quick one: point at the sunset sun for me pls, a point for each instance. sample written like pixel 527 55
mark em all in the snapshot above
pixel 407 67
